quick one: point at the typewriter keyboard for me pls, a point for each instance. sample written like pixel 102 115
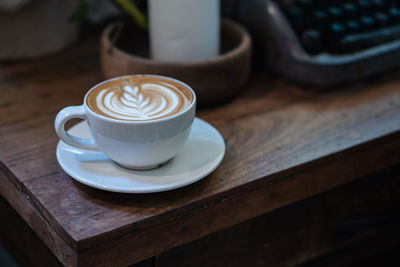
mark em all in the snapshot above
pixel 342 27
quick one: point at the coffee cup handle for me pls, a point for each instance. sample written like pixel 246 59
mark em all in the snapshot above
pixel 65 115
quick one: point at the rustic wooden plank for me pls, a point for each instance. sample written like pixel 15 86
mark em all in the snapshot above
pixel 19 239
pixel 173 218
pixel 31 94
pixel 283 144
pixel 247 202
pixel 21 203
pixel 340 227
pixel 272 153
pixel 257 113
pixel 26 248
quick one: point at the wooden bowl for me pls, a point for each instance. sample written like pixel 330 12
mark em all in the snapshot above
pixel 125 50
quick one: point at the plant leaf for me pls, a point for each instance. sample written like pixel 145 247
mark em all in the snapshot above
pixel 130 7
pixel 81 12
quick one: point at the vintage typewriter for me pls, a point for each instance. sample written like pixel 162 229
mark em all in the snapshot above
pixel 325 41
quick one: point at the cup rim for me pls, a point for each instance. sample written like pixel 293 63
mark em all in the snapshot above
pixel 180 113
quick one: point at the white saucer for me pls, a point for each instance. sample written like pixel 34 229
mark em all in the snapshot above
pixel 201 155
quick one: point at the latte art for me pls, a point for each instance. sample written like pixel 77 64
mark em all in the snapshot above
pixel 139 98
pixel 150 101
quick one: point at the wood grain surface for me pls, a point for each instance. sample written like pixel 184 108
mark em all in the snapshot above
pixel 336 228
pixel 284 143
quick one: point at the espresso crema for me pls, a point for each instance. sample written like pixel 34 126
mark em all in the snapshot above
pixel 139 98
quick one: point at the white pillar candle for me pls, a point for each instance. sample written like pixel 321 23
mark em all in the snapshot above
pixel 184 30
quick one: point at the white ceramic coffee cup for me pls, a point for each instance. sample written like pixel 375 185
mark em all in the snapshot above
pixel 132 144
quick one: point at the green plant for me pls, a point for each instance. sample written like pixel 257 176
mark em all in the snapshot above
pixel 131 8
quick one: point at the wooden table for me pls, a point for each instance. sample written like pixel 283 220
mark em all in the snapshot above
pixel 283 144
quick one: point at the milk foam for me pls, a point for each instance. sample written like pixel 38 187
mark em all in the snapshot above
pixel 140 100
